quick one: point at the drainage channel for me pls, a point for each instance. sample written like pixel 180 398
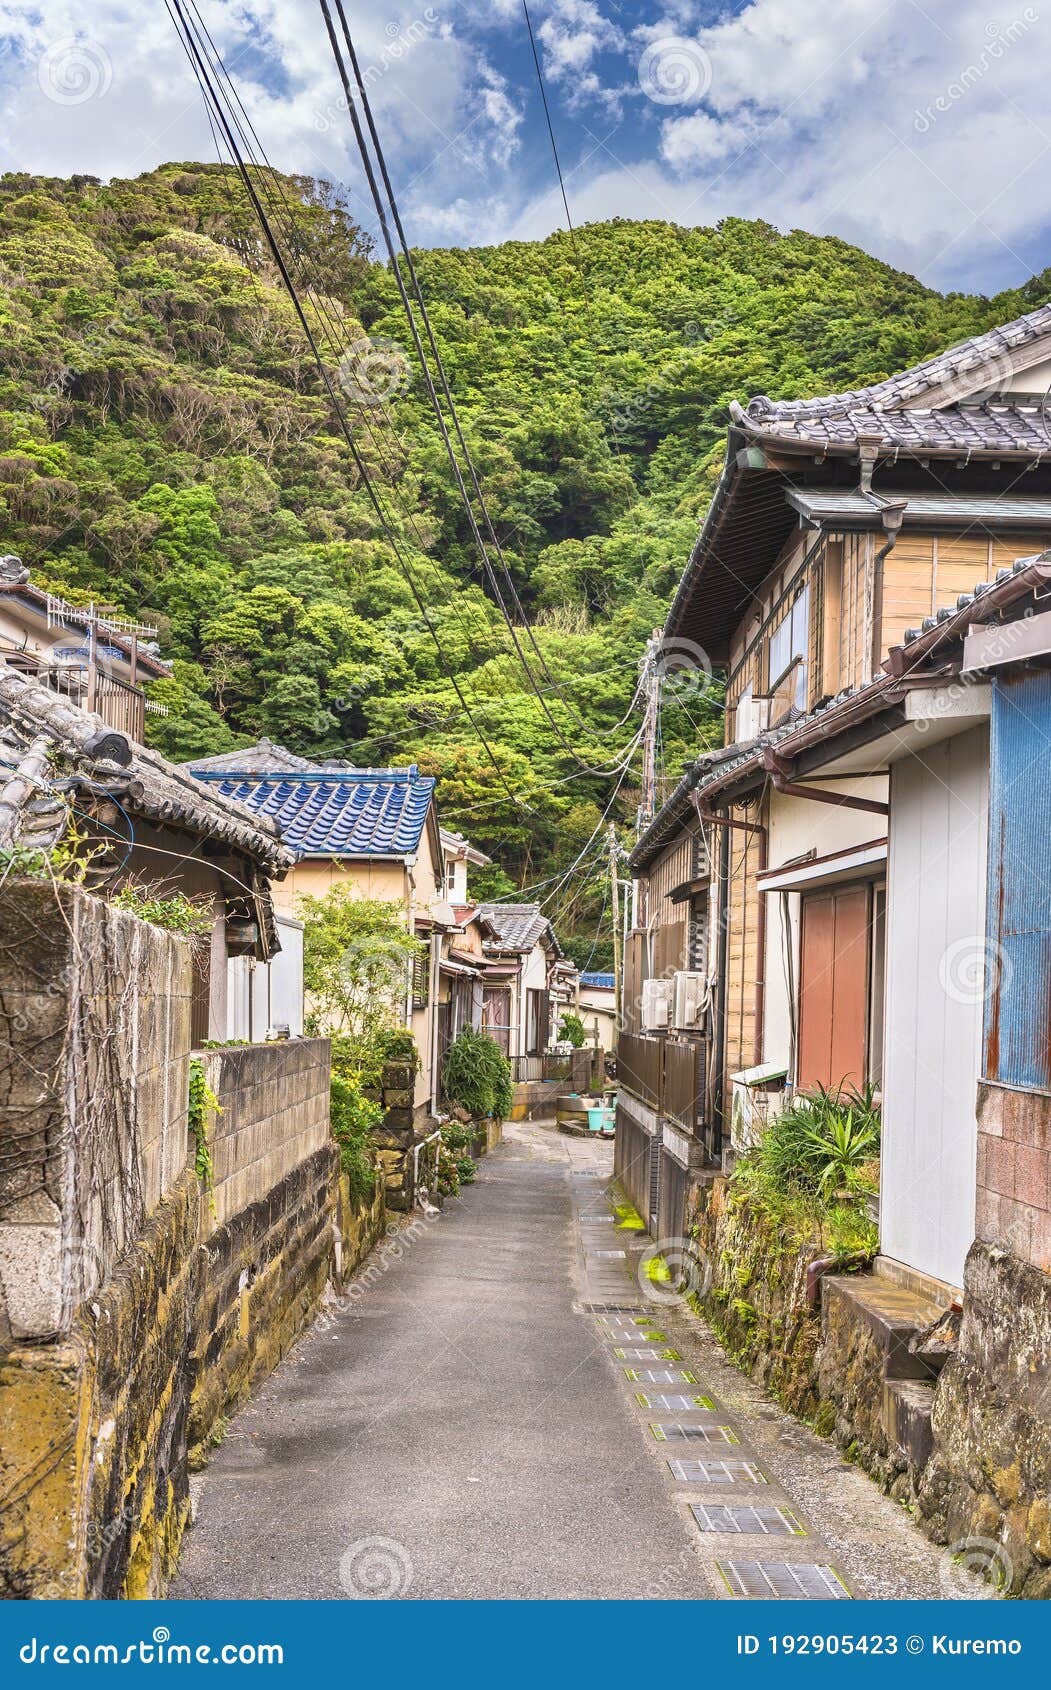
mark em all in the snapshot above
pixel 751 1537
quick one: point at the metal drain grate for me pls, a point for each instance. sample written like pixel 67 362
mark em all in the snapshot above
pixel 659 1376
pixel 717 1472
pixel 725 1517
pixel 808 1582
pixel 674 1404
pixel 632 1335
pixel 606 1255
pixel 609 1308
pixel 665 1432
pixel 649 1354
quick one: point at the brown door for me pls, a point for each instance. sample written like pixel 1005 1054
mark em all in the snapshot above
pixel 834 987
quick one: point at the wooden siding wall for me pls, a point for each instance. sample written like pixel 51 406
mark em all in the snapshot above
pixel 927 572
pixel 742 953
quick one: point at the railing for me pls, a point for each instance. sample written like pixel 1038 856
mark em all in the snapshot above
pixel 574 1068
pixel 684 1083
pixel 666 1074
pixel 640 1067
pixel 120 705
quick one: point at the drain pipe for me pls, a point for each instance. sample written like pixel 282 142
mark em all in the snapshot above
pixel 892 514
pixel 421 1144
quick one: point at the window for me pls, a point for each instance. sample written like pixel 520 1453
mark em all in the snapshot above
pixel 421 980
pixel 536 1029
pixel 788 645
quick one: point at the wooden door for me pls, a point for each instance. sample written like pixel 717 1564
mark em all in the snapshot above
pixel 834 987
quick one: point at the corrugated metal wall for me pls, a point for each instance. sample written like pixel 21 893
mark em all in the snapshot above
pixel 1018 1005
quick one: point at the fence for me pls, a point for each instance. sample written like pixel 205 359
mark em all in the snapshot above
pixel 574 1068
pixel 668 1075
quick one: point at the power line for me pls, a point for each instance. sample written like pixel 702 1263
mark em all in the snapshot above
pixel 565 203
pixel 202 73
pixel 439 366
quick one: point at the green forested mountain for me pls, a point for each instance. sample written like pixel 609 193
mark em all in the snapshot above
pixel 165 444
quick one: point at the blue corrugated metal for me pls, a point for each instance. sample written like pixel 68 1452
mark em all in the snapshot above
pixel 1018 971
pixel 596 978
pixel 356 813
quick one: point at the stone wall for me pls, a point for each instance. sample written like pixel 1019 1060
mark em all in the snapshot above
pixel 94 1054
pixel 178 1300
pixel 395 1140
pixel 753 1291
pixel 989 1473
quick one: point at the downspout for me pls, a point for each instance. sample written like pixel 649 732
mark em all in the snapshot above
pixel 892 514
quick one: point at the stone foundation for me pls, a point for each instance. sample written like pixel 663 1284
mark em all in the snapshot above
pixel 756 1294
pixel 989 1473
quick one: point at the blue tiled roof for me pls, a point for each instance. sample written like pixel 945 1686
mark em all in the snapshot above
pixel 591 979
pixel 336 813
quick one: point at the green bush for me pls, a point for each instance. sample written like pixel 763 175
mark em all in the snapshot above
pixel 477 1075
pixel 354 1116
pixel 571 1029
pixel 823 1141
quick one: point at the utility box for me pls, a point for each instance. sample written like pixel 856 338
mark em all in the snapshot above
pixel 756 1094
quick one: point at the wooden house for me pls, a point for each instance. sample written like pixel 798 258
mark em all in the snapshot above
pixel 839 522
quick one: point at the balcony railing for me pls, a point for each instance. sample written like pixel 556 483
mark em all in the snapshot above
pixel 666 1074
pixel 120 705
pixel 573 1068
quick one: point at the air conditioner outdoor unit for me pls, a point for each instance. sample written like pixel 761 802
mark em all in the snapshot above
pixel 690 1002
pixel 656 1005
pixel 753 717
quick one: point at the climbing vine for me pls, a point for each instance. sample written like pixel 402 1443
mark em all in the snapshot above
pixel 202 1098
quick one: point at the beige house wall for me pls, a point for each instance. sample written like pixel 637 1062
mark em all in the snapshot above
pixel 416 886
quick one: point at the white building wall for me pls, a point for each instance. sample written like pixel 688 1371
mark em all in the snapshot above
pixel 263 996
pixel 936 886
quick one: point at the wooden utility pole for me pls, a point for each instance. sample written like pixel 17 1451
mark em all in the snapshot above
pixel 614 883
pixel 651 718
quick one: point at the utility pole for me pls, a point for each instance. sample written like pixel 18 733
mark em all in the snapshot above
pixel 651 718
pixel 614 882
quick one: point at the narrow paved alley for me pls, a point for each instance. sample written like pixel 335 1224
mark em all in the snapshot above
pixel 492 1414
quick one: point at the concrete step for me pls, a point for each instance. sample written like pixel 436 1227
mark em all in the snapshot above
pixel 908 1405
pixel 895 1317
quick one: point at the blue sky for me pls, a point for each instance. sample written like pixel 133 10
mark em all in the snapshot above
pixel 916 130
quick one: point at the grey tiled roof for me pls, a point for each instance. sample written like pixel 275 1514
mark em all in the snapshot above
pixel 953 401
pixel 265 757
pixel 518 926
pixel 999 425
pixel 48 738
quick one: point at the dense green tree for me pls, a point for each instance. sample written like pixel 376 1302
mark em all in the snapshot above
pixel 167 447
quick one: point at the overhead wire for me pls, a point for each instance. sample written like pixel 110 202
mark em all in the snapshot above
pixel 443 382
pixel 176 11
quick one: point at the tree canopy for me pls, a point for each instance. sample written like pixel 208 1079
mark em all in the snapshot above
pixel 166 445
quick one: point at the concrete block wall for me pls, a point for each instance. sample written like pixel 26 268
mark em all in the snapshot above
pixel 94 1052
pixel 1014 1172
pixel 274 1114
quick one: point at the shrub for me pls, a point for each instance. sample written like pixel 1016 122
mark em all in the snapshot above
pixel 354 1116
pixel 822 1142
pixel 193 918
pixel 571 1029
pixel 477 1075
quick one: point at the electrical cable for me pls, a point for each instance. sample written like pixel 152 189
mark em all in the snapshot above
pixel 176 12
